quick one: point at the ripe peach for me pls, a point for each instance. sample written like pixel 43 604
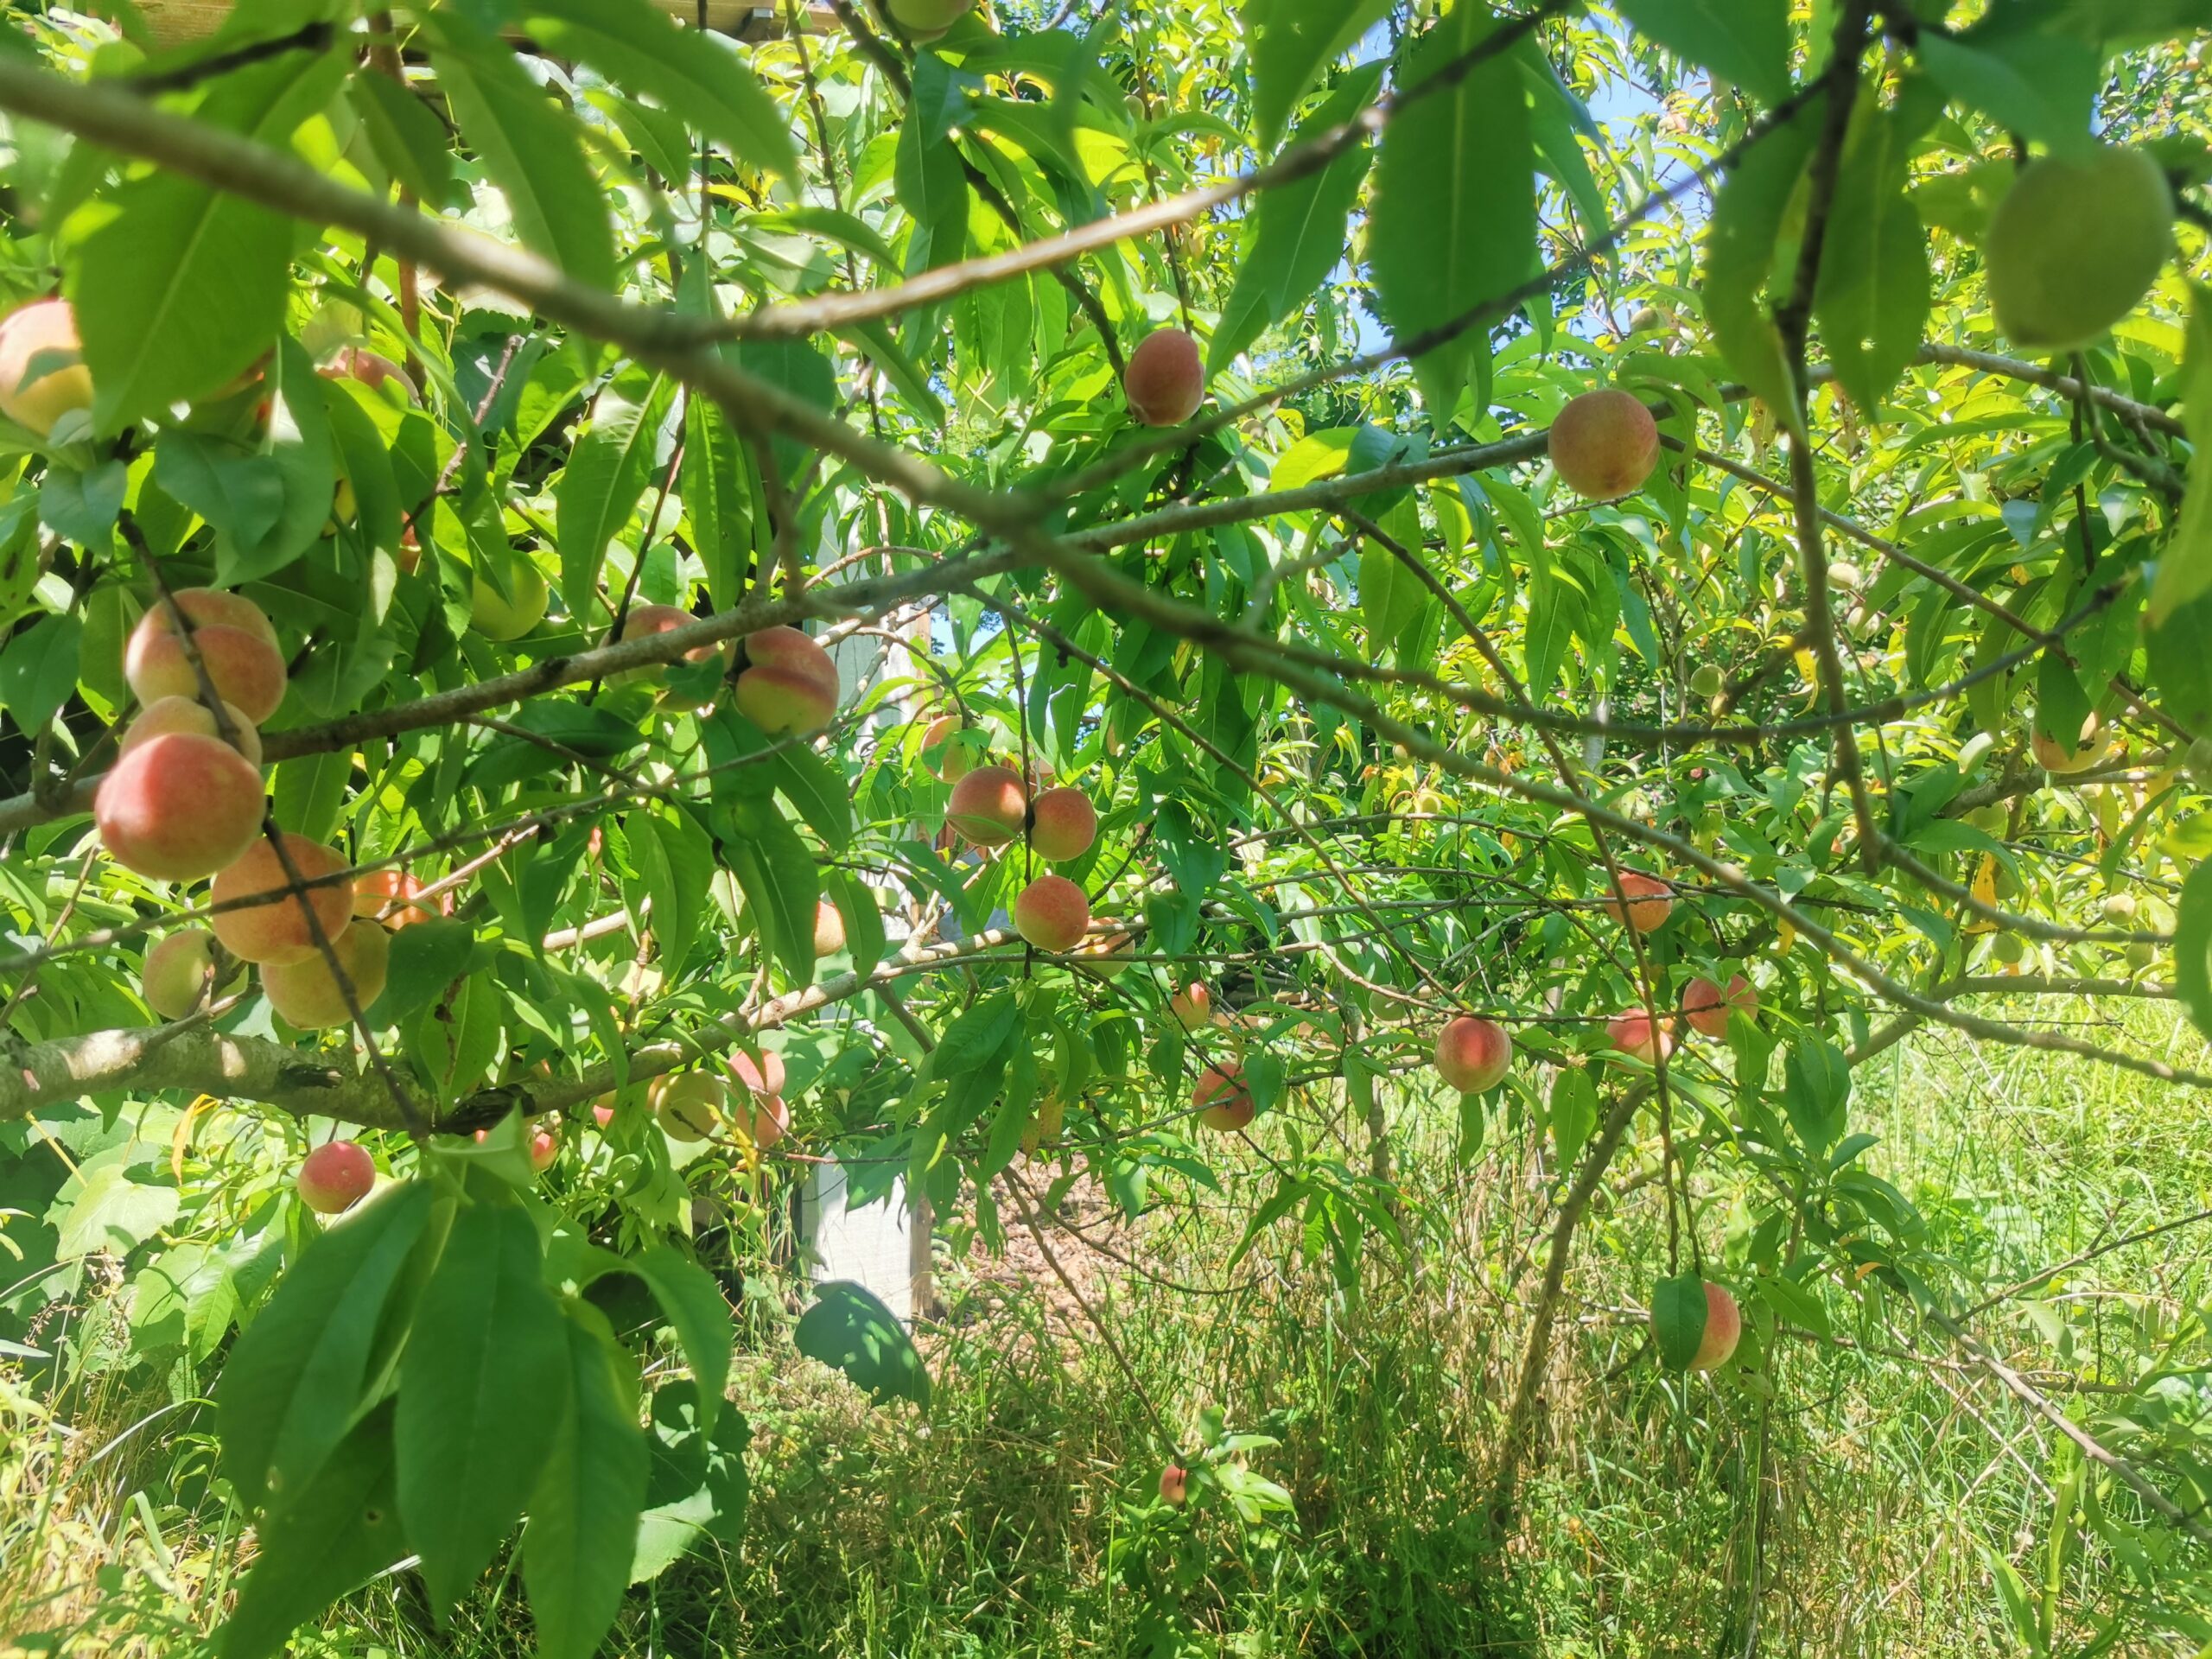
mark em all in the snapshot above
pixel 1604 444
pixel 1724 1328
pixel 1223 1100
pixel 234 640
pixel 1471 1054
pixel 949 760
pixel 649 620
pixel 602 1110
pixel 1166 381
pixel 544 1147
pixel 771 1121
pixel 1635 1034
pixel 1648 900
pixel 335 1176
pixel 829 929
pixel 987 806
pixel 788 684
pixel 1052 914
pixel 308 994
pixel 2055 757
pixel 272 926
pixel 388 895
pixel 177 970
pixel 687 1104
pixel 1062 824
pixel 759 1078
pixel 1192 1006
pixel 43 372
pixel 1175 1485
pixel 505 617
pixel 1706 1007
pixel 371 369
pixel 166 715
pixel 179 807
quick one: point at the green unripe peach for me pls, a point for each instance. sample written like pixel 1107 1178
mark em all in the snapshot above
pixel 1706 681
pixel 2141 954
pixel 2007 947
pixel 924 20
pixel 2075 246
pixel 506 618
pixel 2119 909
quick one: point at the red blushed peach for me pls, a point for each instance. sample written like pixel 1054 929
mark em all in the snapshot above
pixel 602 1110
pixel 1192 1006
pixel 771 1121
pixel 1166 381
pixel 1175 1485
pixel 687 1105
pixel 1604 444
pixel 988 806
pixel 43 372
pixel 234 640
pixel 388 896
pixel 372 369
pixel 649 620
pixel 759 1078
pixel 2055 757
pixel 1706 1007
pixel 335 1176
pixel 1724 1329
pixel 544 1147
pixel 1052 914
pixel 1639 1036
pixel 1472 1054
pixel 270 923
pixel 829 929
pixel 179 807
pixel 1223 1100
pixel 177 971
pixel 1648 900
pixel 1062 824
pixel 308 995
pixel 949 760
pixel 189 714
pixel 788 684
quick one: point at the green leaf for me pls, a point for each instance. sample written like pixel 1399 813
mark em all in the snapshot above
pixel 715 500
pixel 849 1329
pixel 293 1380
pixel 909 378
pixel 531 150
pixel 38 670
pixel 1816 1089
pixel 932 186
pixel 1573 1113
pixel 426 958
pixel 1872 295
pixel 342 1528
pixel 82 505
pixel 1298 233
pixel 309 793
pixel 698 1312
pixel 1453 221
pixel 2037 83
pixel 101 1209
pixel 2185 566
pixel 584 1513
pixel 1678 1315
pixel 688 71
pixel 406 136
pixel 2193 947
pixel 1739 259
pixel 857 903
pixel 790 887
pixel 696 1487
pixel 1389 595
pixel 816 790
pixel 676 861
pixel 604 482
pixel 238 492
pixel 483 1387
pixel 1292 41
pixel 179 287
pixel 1744 41
pixel 296 444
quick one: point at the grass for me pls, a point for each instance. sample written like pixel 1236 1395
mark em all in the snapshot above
pixel 1016 1519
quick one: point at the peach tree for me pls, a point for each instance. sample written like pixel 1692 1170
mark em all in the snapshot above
pixel 601 611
